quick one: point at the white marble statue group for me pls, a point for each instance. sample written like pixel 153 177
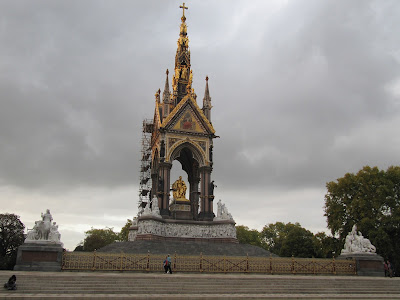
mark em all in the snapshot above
pixel 44 230
pixel 222 212
pixel 154 210
pixel 356 243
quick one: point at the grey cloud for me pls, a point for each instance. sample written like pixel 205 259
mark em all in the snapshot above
pixel 322 76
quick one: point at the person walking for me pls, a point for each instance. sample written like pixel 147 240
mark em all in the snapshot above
pixel 385 267
pixel 167 264
pixel 390 269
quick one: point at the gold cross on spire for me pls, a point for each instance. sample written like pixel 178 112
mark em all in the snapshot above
pixel 183 9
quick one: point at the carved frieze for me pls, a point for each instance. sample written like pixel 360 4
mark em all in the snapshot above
pixel 171 142
pixel 158 228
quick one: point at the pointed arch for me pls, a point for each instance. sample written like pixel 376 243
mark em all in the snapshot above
pixel 196 151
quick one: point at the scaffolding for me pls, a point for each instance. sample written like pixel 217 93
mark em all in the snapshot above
pixel 145 166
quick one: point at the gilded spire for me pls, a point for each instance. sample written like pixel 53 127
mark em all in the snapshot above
pixel 182 79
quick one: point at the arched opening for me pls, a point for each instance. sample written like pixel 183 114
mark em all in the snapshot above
pixel 197 202
pixel 189 158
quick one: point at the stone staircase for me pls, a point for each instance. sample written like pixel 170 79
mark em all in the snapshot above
pixel 115 285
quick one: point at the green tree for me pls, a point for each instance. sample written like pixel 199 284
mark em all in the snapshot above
pixel 326 246
pixel 273 236
pixel 371 200
pixel 11 237
pixel 79 247
pixel 98 238
pixel 248 236
pixel 123 235
pixel 288 239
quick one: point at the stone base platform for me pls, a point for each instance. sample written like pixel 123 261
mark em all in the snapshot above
pixel 151 237
pixel 186 248
pixel 152 227
pixel 39 257
pixel 367 264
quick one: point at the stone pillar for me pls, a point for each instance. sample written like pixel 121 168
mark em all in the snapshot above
pixel 194 196
pixel 165 174
pixel 206 213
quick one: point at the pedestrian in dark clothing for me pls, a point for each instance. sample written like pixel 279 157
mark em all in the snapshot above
pixel 389 265
pixel 385 266
pixel 11 283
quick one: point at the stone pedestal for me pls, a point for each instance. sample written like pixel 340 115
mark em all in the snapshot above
pixel 180 210
pixel 366 264
pixel 39 257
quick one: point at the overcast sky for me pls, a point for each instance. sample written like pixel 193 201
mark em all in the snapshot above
pixel 302 93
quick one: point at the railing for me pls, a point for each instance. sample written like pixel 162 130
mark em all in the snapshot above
pixel 97 261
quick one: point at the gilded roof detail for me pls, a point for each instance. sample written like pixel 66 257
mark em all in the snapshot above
pixel 188 100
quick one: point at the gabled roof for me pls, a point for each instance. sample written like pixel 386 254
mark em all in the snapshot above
pixel 188 108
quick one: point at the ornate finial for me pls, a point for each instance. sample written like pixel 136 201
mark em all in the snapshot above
pixel 207 102
pixel 166 93
pixel 183 10
pixel 157 95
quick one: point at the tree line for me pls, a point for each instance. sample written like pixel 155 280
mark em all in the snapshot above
pixel 289 239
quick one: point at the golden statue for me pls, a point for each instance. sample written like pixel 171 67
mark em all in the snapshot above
pixel 183 28
pixel 179 190
pixel 177 73
pixel 184 73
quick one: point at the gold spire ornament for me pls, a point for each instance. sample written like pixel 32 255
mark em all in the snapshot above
pixel 183 11
pixel 157 95
pixel 189 85
pixel 177 73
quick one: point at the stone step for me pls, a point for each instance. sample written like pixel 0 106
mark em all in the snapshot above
pixel 68 285
pixel 205 292
pixel 221 286
pixel 172 278
pixel 19 296
pixel 210 284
